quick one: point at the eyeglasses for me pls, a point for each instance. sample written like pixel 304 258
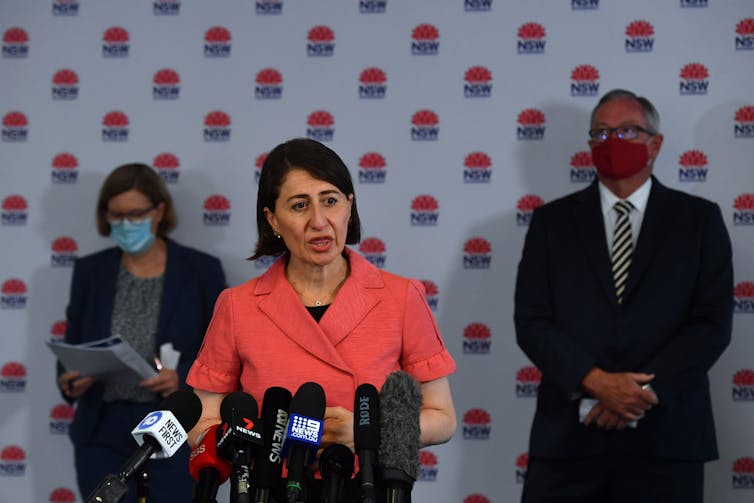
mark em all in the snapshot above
pixel 628 132
pixel 116 217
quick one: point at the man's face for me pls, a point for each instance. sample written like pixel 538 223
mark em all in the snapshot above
pixel 624 112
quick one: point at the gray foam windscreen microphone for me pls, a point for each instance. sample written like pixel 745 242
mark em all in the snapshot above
pixel 400 405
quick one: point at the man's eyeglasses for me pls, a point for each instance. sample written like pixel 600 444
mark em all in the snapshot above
pixel 629 132
pixel 116 217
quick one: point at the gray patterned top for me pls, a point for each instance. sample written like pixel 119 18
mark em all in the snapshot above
pixel 136 311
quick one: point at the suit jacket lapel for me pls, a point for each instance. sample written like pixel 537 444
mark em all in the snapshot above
pixel 105 291
pixel 590 227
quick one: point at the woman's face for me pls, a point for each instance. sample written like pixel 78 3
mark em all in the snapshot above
pixel 134 206
pixel 312 217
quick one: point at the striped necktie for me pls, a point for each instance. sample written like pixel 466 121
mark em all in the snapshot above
pixel 623 247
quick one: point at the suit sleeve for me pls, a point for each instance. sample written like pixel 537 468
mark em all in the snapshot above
pixel 562 361
pixel 74 314
pixel 706 332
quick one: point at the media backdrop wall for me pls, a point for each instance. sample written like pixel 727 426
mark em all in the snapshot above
pixel 456 118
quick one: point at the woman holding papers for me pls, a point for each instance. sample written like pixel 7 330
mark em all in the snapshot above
pixel 153 293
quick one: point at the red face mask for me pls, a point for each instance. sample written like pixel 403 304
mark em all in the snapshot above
pixel 616 158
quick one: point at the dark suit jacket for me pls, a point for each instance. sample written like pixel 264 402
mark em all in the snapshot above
pixel 674 322
pixel 193 280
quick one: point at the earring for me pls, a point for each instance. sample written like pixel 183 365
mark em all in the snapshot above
pixel 276 234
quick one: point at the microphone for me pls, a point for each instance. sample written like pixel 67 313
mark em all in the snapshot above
pixel 207 468
pixel 366 436
pixel 400 401
pixel 239 435
pixel 303 436
pixel 268 462
pixel 336 467
pixel 159 435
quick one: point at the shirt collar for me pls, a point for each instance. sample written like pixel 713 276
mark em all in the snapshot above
pixel 638 198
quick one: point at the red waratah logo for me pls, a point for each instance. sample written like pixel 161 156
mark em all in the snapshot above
pixel 115 119
pixel 61 416
pixel 269 77
pixel 15 43
pixel 12 461
pixel 477 74
pixel 115 42
pixel 743 473
pixel 693 166
pixel 14 211
pixel 269 84
pixel 372 168
pixel 427 466
pixel 476 168
pixel 531 38
pixel 320 126
pixel 744 127
pixel 582 167
pixel 115 126
pixel 744 210
pixel 522 465
pixel 166 84
pixel 694 79
pixel 217 42
pixel 167 165
pixel 743 386
pixel 526 206
pixel 424 210
pixel 64 251
pixel 258 164
pixel 745 34
pixel 425 118
pixel 527 382
pixel 62 495
pixel 476 253
pixel 531 124
pixel 12 453
pixel 65 85
pixel 639 36
pixel 585 81
pixel 477 83
pixel 476 424
pixel 425 40
pixel 57 330
pixel 320 41
pixel 64 168
pixel 476 498
pixel 13 378
pixel 13 369
pixel 743 295
pixel 425 125
pixel 373 249
pixel 639 28
pixel 745 115
pixel 477 339
pixel 216 210
pixel 14 203
pixel 372 83
pixel 431 293
pixel 15 127
pixel 217 126
pixel 744 378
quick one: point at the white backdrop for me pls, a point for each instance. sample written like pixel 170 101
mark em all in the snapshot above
pixel 456 119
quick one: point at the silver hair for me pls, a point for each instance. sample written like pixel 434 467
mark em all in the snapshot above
pixel 650 112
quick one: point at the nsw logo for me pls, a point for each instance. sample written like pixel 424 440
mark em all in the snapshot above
pixel 372 6
pixel 167 164
pixel 217 126
pixel 477 254
pixel 64 168
pixel 372 168
pixel 320 42
pixel 743 207
pixel 269 84
pixel 745 34
pixel 15 43
pixel 166 7
pixel 166 84
pixel 585 81
pixel 476 168
pixel 525 208
pixel 216 210
pixel 743 386
pixel 531 38
pixel 15 210
pixel 65 85
pixel 432 293
pixel 15 127
pixel 477 424
pixel 57 330
pixel 640 36
pixel 372 83
pixel 258 164
pixel 693 166
pixel 582 167
pixel 425 40
pixel 427 466
pixel 743 473
pixel 268 7
pixel 65 8
pixel 522 466
pixel 478 82
pixel 743 297
pixel 424 126
pixel 62 495
pixel 13 378
pixel 527 382
pixel 61 416
pixel 115 42
pixel 374 251
pixel 585 4
pixel 744 127
pixel 694 3
pixel 531 124
pixel 477 339
pixel 115 127
pixel 217 42
pixel 63 251
pixel 320 126
pixel 424 210
pixel 12 461
pixel 694 79
pixel 476 498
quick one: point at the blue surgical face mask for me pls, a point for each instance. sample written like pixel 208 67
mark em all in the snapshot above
pixel 133 237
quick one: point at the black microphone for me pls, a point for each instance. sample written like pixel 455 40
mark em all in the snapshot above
pixel 268 462
pixel 239 436
pixel 366 436
pixel 400 403
pixel 336 467
pixel 303 436
pixel 159 435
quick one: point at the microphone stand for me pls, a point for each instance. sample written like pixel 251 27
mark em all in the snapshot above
pixel 142 486
pixel 240 478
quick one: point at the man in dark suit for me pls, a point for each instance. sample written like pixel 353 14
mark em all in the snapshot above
pixel 624 302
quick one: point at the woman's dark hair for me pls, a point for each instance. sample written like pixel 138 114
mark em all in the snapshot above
pixel 321 163
pixel 135 176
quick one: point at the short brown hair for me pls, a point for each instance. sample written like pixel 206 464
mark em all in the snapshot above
pixel 136 176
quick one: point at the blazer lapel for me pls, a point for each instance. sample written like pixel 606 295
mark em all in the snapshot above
pixel 590 227
pixel 105 291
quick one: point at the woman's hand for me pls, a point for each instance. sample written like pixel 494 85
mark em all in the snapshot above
pixel 73 385
pixel 164 383
pixel 338 427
